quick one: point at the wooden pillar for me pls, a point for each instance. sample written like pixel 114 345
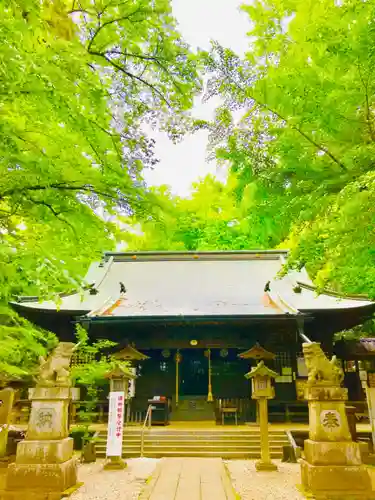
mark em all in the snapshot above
pixel 177 359
pixel 73 414
pixel 209 396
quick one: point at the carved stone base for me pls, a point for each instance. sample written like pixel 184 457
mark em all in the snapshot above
pixel 41 478
pixel 341 482
pixel 15 495
pixel 328 453
pixel 44 452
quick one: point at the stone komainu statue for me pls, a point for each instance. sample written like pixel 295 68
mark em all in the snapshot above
pixel 321 371
pixel 55 370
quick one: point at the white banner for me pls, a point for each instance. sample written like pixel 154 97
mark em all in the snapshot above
pixel 115 424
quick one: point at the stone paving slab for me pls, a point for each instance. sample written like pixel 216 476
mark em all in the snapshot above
pixel 189 479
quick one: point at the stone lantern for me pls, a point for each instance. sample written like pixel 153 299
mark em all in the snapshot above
pixel 257 353
pixel 261 377
pixel 118 378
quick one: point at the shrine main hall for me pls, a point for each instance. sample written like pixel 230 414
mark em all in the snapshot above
pixel 193 324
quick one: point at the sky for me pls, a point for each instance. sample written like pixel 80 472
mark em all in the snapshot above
pixel 199 22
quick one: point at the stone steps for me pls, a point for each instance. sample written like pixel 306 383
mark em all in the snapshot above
pixel 195 443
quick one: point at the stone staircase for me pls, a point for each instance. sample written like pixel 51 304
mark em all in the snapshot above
pixel 243 442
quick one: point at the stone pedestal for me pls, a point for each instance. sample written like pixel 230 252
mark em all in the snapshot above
pixel 6 405
pixel 332 467
pixel 264 464
pixel 44 466
pixel 370 395
pixel 115 463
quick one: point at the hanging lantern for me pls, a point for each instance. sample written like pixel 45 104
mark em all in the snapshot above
pixel 223 353
pixel 166 353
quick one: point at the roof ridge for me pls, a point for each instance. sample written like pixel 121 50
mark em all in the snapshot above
pixel 333 293
pixel 229 255
pixel 197 252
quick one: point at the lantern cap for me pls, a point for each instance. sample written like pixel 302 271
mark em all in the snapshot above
pixel 261 370
pixel 119 372
pixel 257 352
pixel 130 353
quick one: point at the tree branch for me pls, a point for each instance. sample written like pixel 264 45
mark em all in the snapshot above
pixel 56 214
pixel 113 138
pixel 293 127
pixel 113 2
pixel 61 186
pixel 108 23
pixel 131 75
pixel 85 188
pixel 136 56
pixel 367 104
pixel 156 60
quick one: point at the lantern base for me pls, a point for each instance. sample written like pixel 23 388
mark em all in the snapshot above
pixel 265 466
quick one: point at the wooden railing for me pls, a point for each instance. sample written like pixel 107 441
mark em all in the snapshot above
pixel 21 412
pixel 101 410
pixel 279 411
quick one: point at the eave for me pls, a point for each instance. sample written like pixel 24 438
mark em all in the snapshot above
pixel 190 319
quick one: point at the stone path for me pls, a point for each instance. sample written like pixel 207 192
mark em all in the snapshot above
pixel 189 479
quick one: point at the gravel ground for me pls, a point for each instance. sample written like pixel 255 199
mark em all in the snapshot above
pixel 114 485
pixel 253 485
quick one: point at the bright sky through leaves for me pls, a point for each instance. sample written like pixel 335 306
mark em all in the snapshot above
pixel 200 21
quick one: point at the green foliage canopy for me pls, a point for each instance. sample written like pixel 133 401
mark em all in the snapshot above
pixel 211 219
pixel 296 127
pixel 77 81
pixel 304 143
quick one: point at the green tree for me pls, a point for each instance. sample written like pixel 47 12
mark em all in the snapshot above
pixel 89 375
pixel 77 82
pixel 21 345
pixel 210 219
pixel 303 146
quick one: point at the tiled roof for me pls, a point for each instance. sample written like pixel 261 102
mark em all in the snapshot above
pixel 196 284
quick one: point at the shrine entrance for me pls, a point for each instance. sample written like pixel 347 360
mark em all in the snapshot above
pixel 193 373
